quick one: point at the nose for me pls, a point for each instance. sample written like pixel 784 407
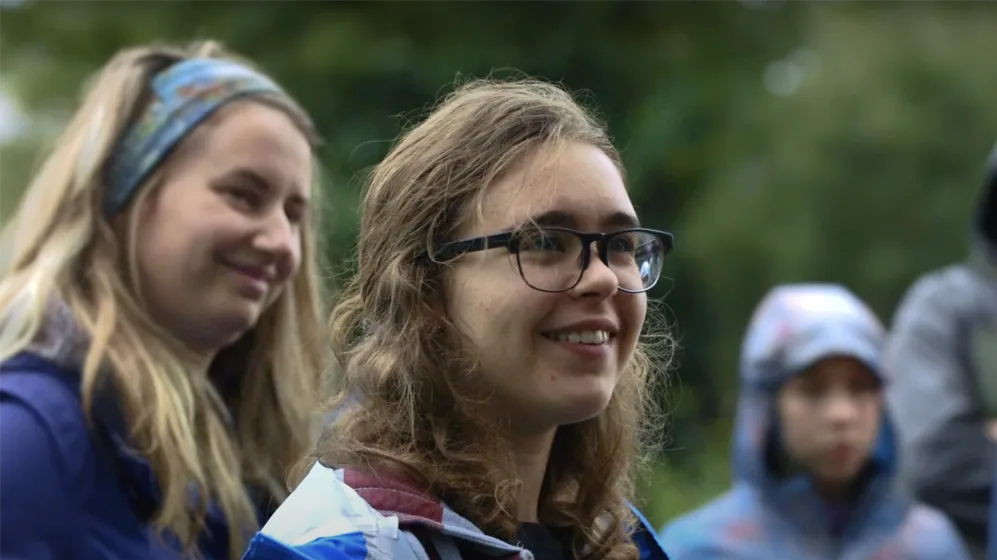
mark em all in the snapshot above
pixel 598 280
pixel 280 240
pixel 840 408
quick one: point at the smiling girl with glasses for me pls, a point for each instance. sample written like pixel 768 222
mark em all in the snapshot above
pixel 491 340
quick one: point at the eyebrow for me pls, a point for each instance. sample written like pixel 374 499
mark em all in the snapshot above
pixel 560 218
pixel 258 181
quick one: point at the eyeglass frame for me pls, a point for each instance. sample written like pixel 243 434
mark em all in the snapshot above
pixel 509 240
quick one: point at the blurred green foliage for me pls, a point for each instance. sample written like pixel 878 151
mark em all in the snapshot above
pixel 779 141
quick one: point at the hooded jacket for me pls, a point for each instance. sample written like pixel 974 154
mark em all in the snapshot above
pixel 343 514
pixel 941 358
pixel 69 489
pixel 764 515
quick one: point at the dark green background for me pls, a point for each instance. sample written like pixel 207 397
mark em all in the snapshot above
pixel 779 141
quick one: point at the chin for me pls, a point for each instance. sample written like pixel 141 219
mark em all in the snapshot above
pixel 842 475
pixel 582 407
pixel 233 323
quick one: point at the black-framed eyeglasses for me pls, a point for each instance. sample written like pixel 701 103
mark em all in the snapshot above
pixel 553 259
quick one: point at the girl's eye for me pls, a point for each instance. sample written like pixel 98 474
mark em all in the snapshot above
pixel 242 196
pixel 622 244
pixel 294 215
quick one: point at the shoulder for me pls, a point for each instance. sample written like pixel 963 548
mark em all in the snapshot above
pixel 646 539
pixel 955 288
pixel 927 533
pixel 45 457
pixel 325 519
pixel 705 529
pixel 31 456
pixel 952 276
pixel 42 404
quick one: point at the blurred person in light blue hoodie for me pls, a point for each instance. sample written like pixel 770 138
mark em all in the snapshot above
pixel 813 455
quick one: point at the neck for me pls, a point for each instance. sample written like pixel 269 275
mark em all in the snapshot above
pixel 531 453
pixel 835 492
pixel 199 355
pixel 199 361
pixel 831 491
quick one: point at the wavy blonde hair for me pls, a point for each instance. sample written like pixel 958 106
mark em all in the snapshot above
pixel 64 249
pixel 402 358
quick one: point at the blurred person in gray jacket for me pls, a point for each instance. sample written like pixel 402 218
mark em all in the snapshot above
pixel 942 362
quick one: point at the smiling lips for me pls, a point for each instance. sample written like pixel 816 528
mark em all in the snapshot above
pixel 588 345
pixel 595 332
pixel 256 281
pixel 590 339
pixel 581 337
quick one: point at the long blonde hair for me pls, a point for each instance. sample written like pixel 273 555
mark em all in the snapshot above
pixel 401 356
pixel 64 249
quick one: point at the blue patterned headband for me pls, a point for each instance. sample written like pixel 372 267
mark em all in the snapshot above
pixel 183 96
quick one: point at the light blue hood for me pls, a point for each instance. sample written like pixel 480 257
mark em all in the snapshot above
pixel 794 327
pixel 765 516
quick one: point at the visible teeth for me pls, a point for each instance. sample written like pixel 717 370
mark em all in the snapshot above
pixel 581 337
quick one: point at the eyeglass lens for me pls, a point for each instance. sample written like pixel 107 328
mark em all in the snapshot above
pixel 551 259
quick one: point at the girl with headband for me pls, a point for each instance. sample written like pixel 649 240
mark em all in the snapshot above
pixel 495 386
pixel 160 334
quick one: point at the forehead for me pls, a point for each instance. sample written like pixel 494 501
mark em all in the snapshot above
pixel 577 181
pixel 837 368
pixel 253 136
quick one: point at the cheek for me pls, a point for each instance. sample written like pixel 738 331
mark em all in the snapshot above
pixel 162 264
pixel 871 415
pixel 633 311
pixel 463 302
pixel 178 243
pixel 795 423
pixel 499 323
pixel 636 309
pixel 482 295
pixel 296 258
pixel 156 247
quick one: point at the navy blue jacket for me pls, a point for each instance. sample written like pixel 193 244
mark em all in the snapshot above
pixel 69 491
